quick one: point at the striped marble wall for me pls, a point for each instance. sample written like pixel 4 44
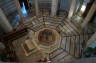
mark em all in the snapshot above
pixel 65 5
pixel 8 6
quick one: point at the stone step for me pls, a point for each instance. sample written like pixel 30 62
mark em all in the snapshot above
pixel 35 56
pixel 68 31
pixel 59 56
pixel 36 28
pixel 29 26
pixel 77 45
pixel 50 26
pixel 74 27
pixel 71 29
pixel 51 20
pixel 55 53
pixel 72 44
pixel 51 23
pixel 31 33
pixel 68 44
pixel 63 29
pixel 40 19
pixel 28 23
pixel 63 34
pixel 63 43
pixel 67 59
pixel 76 24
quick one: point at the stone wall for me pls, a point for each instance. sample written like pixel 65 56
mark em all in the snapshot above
pixel 8 6
pixel 65 5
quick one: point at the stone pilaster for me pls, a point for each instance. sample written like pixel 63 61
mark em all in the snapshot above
pixel 4 23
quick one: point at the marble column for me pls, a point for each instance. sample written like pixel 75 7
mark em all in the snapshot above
pixel 4 23
pixel 89 15
pixel 54 7
pixel 19 9
pixel 37 7
pixel 72 9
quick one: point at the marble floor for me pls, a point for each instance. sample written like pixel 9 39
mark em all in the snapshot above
pixel 70 44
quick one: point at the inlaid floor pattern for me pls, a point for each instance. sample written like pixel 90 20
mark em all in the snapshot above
pixel 70 45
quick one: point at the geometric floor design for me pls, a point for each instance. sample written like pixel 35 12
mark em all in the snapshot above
pixel 70 46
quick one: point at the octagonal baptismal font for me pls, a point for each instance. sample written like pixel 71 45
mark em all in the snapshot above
pixel 46 40
pixel 46 37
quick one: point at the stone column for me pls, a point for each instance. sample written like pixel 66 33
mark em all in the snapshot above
pixel 19 9
pixel 72 8
pixel 89 15
pixel 54 7
pixel 37 7
pixel 4 23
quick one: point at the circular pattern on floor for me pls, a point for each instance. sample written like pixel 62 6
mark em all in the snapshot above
pixel 47 39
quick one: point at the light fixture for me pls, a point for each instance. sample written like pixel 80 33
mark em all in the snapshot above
pixel 83 8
